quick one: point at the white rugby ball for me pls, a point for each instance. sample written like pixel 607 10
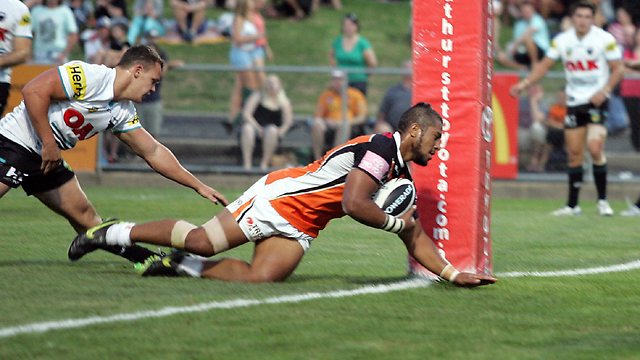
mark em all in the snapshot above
pixel 396 196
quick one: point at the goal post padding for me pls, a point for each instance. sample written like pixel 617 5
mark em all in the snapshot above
pixel 453 69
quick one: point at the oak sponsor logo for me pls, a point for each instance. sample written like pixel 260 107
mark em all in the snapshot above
pixel 78 81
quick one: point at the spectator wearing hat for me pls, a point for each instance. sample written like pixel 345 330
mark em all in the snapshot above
pixel 327 127
pixel 97 41
pixel 353 51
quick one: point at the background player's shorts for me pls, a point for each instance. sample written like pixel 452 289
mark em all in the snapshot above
pixel 20 167
pixel 258 219
pixel 581 115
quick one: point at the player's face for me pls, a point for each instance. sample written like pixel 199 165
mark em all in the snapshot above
pixel 582 20
pixel 427 144
pixel 145 80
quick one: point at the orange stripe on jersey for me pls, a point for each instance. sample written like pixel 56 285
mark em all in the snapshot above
pixel 241 209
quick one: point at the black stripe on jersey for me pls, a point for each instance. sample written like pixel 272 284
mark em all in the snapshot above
pixel 328 185
pixel 57 134
pixel 338 152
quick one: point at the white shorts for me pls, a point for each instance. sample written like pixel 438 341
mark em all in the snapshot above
pixel 259 220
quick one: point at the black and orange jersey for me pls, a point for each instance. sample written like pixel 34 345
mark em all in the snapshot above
pixel 308 197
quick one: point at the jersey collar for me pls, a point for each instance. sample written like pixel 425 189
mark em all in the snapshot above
pixel 396 137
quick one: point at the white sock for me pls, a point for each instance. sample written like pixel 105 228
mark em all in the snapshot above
pixel 118 234
pixel 192 265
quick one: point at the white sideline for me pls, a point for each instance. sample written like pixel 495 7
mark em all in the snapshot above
pixel 368 289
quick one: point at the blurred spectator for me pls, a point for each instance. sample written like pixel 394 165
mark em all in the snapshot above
pixel 327 127
pixel 97 42
pixel 190 15
pixel 262 43
pixel 556 157
pixel 118 43
pixel 83 12
pixel 111 8
pixel 146 19
pixel 630 89
pixel 538 150
pixel 225 4
pixel 267 115
pixel 244 36
pixel 55 32
pixel 623 29
pixel 151 109
pixel 353 51
pixel 296 9
pixel 335 4
pixel 396 101
pixel 15 44
pixel 530 39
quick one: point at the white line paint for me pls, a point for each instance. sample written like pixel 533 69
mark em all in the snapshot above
pixel 238 303
pixel 230 304
pixel 574 272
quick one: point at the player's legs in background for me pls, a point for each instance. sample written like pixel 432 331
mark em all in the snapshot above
pixel 575 142
pixel 596 138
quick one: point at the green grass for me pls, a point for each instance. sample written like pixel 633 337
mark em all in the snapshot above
pixel 587 317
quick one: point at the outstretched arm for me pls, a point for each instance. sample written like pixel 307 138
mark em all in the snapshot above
pixel 420 246
pixel 165 163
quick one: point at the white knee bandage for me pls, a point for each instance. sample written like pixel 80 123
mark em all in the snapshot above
pixel 179 233
pixel 215 234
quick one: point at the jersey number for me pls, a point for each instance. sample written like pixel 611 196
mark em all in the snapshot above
pixel 75 120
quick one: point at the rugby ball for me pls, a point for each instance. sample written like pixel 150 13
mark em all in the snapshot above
pixel 396 196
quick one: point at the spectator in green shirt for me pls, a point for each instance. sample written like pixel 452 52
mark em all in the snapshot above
pixel 351 50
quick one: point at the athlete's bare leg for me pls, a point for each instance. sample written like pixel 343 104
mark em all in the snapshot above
pixel 71 202
pixel 575 142
pixel 4 189
pixel 596 137
pixel 274 259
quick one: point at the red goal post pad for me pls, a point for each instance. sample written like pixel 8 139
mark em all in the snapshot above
pixel 453 69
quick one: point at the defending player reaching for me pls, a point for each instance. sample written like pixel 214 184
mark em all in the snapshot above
pixel 593 67
pixel 284 211
pixel 74 102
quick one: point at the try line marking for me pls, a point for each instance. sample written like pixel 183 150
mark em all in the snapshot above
pixel 41 327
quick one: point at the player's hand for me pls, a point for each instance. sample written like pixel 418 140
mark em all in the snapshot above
pixel 409 221
pixel 466 279
pixel 51 157
pixel 213 195
pixel 598 98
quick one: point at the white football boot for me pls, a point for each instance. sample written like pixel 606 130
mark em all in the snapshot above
pixel 567 211
pixel 632 209
pixel 604 209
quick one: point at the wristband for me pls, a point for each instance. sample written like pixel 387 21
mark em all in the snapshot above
pixel 449 273
pixel 393 224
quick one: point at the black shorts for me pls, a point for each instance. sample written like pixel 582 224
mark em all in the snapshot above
pixel 525 59
pixel 582 115
pixel 21 167
pixel 4 96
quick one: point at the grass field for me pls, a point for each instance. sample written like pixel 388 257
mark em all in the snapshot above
pixel 581 317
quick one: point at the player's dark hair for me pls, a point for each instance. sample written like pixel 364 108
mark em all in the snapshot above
pixel 422 114
pixel 587 4
pixel 141 54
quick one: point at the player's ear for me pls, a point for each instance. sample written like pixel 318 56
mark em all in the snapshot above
pixel 415 130
pixel 138 69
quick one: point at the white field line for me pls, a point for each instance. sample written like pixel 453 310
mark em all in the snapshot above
pixel 237 303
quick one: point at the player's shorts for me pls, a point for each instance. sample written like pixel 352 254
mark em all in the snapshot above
pixel 21 167
pixel 259 220
pixel 582 115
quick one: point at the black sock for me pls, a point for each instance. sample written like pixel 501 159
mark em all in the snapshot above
pixel 600 178
pixel 133 253
pixel 575 182
pixel 638 202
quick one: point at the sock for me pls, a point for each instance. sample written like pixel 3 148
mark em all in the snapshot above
pixel 600 178
pixel 575 182
pixel 192 265
pixel 638 202
pixel 118 234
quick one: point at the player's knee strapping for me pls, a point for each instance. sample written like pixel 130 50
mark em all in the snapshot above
pixel 179 233
pixel 215 234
